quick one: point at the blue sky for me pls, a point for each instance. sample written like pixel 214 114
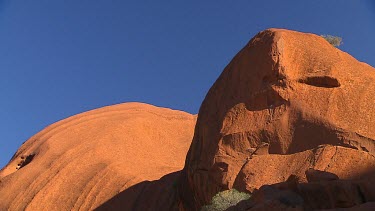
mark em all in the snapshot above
pixel 62 57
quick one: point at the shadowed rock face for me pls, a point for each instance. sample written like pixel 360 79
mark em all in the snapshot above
pixel 93 159
pixel 284 93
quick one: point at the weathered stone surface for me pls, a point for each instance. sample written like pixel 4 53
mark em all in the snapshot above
pixel 100 156
pixel 290 120
pixel 284 94
pixel 319 164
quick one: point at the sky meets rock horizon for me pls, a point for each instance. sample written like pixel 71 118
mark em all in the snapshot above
pixel 60 58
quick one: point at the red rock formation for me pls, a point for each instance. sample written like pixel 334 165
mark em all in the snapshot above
pixel 289 120
pixel 284 94
pixel 97 157
pixel 319 164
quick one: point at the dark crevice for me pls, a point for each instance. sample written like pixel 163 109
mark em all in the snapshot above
pixel 321 81
pixel 364 149
pixel 361 195
pixel 24 161
pixel 347 146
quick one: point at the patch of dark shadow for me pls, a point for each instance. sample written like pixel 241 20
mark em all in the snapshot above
pixel 202 169
pixel 221 166
pixel 364 149
pixel 267 81
pixel 25 160
pixel 347 146
pixel 242 205
pixel 321 81
pixel 361 195
pixel 309 134
pixel 313 175
pixel 146 195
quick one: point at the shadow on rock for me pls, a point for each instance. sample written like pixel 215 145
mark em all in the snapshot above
pixel 323 191
pixel 148 195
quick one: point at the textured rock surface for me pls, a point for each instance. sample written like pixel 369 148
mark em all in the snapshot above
pixel 284 94
pixel 323 195
pixel 290 120
pixel 325 163
pixel 106 154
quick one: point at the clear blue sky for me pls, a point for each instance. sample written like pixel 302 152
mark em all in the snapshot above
pixel 62 57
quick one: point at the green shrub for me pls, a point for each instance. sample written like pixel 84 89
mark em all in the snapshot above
pixel 225 199
pixel 333 40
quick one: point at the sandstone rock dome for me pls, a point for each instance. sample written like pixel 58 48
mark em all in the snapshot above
pixel 83 161
pixel 290 120
pixel 288 102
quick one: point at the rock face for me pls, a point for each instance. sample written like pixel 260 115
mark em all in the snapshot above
pixel 290 120
pixel 288 104
pixel 95 159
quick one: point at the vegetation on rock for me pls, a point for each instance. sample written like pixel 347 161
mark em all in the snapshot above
pixel 225 199
pixel 333 40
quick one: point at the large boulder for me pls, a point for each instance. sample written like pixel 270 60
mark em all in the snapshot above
pixel 283 95
pixel 114 157
pixel 324 163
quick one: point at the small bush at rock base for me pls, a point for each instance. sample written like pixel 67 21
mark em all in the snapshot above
pixel 225 199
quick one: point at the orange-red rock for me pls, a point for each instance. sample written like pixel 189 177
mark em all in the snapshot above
pixel 325 163
pixel 290 120
pixel 86 160
pixel 284 94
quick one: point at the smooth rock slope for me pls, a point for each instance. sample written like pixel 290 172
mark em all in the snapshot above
pixel 88 160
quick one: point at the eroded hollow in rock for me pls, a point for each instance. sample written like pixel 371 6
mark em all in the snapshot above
pixel 321 81
pixel 24 161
